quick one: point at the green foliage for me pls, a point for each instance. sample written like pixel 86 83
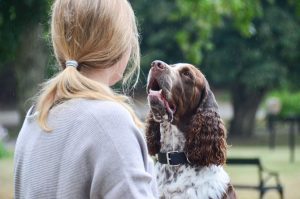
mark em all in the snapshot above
pixel 3 151
pixel 260 62
pixel 204 16
pixel 15 16
pixel 251 66
pixel 296 5
pixel 179 31
pixel 158 30
pixel 252 43
pixel 290 102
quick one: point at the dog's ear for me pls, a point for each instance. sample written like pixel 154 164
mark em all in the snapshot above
pixel 152 129
pixel 208 100
pixel 206 135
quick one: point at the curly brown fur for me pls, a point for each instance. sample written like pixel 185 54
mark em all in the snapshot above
pixel 206 139
pixel 184 117
pixel 230 193
pixel 152 135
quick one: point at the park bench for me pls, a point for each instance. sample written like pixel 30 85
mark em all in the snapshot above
pixel 263 174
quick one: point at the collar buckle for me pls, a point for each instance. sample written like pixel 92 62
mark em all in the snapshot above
pixel 169 159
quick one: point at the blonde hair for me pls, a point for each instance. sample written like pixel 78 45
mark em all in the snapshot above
pixel 97 34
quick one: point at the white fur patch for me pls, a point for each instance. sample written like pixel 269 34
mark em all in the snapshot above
pixel 188 183
pixel 171 138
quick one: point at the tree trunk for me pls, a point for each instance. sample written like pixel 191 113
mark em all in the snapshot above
pixel 245 105
pixel 32 57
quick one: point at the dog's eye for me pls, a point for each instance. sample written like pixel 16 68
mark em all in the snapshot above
pixel 187 74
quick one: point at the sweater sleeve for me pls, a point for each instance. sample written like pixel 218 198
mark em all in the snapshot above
pixel 122 168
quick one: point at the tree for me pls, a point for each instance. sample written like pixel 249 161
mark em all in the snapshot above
pixel 250 67
pixel 157 28
pixel 204 16
pixel 245 49
pixel 179 30
pixel 22 47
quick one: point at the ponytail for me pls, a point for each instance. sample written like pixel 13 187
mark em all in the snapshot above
pixel 70 84
pixel 90 32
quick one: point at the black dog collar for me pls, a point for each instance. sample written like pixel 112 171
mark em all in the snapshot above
pixel 173 158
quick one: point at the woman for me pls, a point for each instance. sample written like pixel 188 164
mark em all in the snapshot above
pixel 80 139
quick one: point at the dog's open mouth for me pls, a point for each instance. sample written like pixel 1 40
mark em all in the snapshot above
pixel 157 98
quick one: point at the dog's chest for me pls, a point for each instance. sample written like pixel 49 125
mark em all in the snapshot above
pixel 186 182
pixel 172 139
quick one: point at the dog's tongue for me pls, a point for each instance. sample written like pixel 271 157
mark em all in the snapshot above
pixel 159 96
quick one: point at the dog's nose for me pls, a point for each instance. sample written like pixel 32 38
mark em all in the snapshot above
pixel 157 64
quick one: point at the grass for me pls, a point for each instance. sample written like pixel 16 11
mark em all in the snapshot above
pixel 256 146
pixel 3 151
pixel 6 177
pixel 276 160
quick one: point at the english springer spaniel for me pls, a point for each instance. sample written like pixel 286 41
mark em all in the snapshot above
pixel 185 132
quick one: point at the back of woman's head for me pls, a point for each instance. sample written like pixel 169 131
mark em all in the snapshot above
pixel 97 34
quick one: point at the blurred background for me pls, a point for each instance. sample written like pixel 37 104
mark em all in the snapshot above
pixel 248 50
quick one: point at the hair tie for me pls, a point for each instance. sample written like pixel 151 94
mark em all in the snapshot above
pixel 72 63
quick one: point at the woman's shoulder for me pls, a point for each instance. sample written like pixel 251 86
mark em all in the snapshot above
pixel 102 107
pixel 92 117
pixel 101 110
pixel 110 118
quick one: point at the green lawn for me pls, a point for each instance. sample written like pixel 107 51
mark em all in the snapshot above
pixel 277 160
pixel 6 177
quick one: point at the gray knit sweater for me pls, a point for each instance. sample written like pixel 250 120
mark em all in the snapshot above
pixel 94 151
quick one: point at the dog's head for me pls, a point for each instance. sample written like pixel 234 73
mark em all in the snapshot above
pixel 176 91
pixel 180 94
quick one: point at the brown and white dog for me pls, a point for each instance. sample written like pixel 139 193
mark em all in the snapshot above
pixel 186 133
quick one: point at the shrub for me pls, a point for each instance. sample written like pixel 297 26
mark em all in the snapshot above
pixel 3 151
pixel 290 103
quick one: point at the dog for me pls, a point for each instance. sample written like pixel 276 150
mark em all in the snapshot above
pixel 186 134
